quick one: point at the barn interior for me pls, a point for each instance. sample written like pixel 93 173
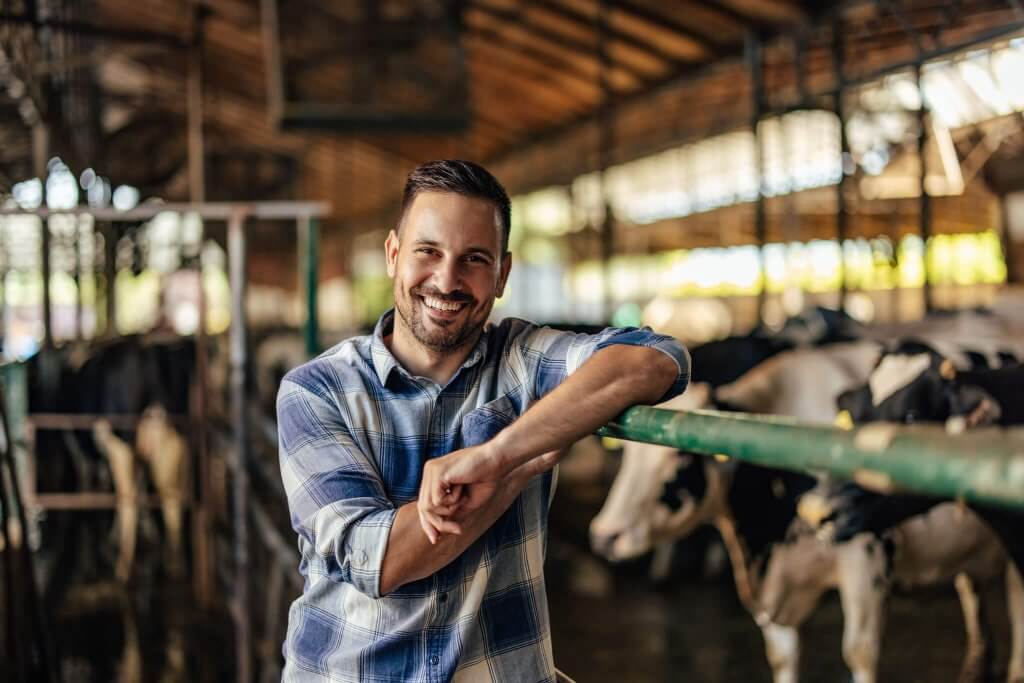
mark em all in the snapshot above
pixel 204 187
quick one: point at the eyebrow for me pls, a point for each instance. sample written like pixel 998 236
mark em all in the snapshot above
pixel 471 250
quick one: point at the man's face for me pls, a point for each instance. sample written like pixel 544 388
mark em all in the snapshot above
pixel 447 268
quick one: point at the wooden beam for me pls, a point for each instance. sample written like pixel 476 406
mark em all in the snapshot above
pixel 562 56
pixel 661 19
pixel 557 38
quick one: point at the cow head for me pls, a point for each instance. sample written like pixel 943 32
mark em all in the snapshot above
pixel 659 493
pixel 918 385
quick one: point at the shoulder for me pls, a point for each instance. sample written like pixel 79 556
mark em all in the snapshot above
pixel 526 335
pixel 336 370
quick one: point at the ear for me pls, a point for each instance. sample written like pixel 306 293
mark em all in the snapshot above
pixel 506 267
pixel 391 245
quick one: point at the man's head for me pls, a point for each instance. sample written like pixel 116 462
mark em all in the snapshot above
pixel 448 256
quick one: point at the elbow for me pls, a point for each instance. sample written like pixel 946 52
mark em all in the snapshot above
pixel 655 376
pixel 647 376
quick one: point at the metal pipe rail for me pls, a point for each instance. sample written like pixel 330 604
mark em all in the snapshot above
pixel 985 466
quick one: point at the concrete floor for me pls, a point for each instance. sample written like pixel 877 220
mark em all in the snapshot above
pixel 609 623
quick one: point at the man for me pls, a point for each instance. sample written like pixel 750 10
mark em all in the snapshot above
pixel 416 460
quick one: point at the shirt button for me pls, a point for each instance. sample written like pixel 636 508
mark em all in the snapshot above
pixel 443 597
pixel 434 660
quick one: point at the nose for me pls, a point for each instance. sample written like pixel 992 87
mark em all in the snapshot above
pixel 446 276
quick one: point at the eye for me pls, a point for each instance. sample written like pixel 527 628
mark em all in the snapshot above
pixel 476 259
pixel 429 251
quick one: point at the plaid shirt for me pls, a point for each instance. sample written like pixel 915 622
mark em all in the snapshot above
pixel 355 429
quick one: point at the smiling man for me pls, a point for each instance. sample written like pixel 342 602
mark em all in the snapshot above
pixel 418 460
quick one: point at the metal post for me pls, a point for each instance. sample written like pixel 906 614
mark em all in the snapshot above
pixel 43 645
pixel 606 140
pixel 110 275
pixel 203 562
pixel 309 238
pixel 196 166
pixel 1006 239
pixel 240 478
pixel 40 152
pixel 203 567
pixel 925 211
pixel 79 325
pixel 842 217
pixel 753 54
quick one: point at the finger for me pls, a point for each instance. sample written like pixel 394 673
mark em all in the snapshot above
pixel 446 510
pixel 438 490
pixel 443 525
pixel 454 495
pixel 430 532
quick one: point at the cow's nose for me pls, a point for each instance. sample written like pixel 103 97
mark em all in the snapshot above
pixel 601 542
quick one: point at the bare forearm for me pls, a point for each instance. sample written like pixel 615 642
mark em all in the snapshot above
pixel 612 380
pixel 411 556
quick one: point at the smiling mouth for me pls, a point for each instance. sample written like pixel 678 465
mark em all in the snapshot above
pixel 442 307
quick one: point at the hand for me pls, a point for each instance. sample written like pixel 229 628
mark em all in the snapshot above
pixel 459 482
pixel 466 480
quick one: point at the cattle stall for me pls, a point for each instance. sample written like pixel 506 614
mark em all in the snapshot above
pixel 203 494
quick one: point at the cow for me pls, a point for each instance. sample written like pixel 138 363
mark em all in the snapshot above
pixel 660 494
pixel 917 383
pixel 128 376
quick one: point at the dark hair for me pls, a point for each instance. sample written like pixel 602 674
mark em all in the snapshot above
pixel 460 177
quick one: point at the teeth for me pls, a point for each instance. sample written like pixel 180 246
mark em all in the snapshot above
pixel 441 305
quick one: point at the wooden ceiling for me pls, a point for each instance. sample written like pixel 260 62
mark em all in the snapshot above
pixel 543 77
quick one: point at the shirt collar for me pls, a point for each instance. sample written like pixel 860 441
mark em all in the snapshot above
pixel 384 361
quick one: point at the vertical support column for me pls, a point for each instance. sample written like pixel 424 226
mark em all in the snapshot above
pixel 203 577
pixel 842 216
pixel 606 140
pixel 1006 232
pixel 239 459
pixel 110 276
pixel 40 154
pixel 925 205
pixel 76 246
pixel 753 55
pixel 196 163
pixel 309 265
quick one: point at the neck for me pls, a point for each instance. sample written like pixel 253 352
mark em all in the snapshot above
pixel 418 360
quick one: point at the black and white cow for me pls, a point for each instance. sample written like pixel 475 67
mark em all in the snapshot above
pixel 660 494
pixel 137 376
pixel 781 569
pixel 916 383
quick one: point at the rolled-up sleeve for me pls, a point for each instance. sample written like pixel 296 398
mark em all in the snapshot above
pixel 336 498
pixel 549 356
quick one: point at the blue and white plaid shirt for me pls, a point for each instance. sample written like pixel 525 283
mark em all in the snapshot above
pixel 355 429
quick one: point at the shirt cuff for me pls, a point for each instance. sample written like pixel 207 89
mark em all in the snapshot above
pixel 366 545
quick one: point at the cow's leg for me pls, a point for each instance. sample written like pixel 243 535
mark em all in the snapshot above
pixel 167 467
pixel 661 563
pixel 863 587
pixel 782 645
pixel 1015 607
pixel 975 657
pixel 121 460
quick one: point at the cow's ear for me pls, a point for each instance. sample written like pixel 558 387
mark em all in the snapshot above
pixel 855 402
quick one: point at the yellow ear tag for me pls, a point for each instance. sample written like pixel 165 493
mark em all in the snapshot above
pixel 947 370
pixel 611 444
pixel 844 420
pixel 721 457
pixel 812 508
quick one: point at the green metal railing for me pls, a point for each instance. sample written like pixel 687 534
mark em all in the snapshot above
pixel 984 466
